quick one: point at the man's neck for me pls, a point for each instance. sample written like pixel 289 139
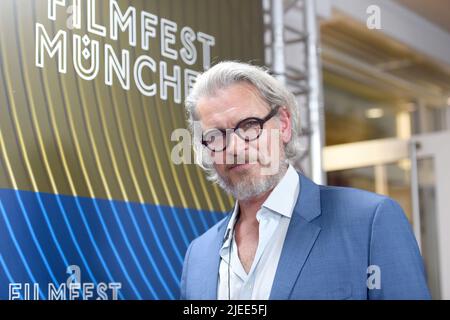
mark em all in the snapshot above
pixel 248 208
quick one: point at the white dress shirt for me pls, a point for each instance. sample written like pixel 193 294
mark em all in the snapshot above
pixel 273 217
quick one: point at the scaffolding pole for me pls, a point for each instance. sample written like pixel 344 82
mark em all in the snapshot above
pixel 315 95
pixel 292 53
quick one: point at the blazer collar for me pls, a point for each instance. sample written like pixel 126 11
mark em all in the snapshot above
pixel 211 274
pixel 302 233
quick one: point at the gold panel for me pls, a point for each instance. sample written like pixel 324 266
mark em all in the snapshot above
pixel 62 134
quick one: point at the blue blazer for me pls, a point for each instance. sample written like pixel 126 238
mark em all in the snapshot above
pixel 334 235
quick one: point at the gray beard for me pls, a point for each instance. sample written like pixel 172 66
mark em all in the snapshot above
pixel 250 187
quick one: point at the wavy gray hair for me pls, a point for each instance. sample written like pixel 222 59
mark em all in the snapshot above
pixel 272 91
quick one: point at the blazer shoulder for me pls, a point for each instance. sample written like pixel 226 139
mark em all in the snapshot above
pixel 350 194
pixel 352 202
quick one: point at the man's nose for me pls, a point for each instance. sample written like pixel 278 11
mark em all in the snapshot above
pixel 236 145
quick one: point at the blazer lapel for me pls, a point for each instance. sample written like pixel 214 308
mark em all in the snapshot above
pixel 211 271
pixel 300 238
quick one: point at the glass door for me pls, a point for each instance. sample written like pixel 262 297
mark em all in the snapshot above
pixel 416 173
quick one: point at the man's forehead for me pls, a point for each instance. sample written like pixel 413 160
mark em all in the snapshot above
pixel 230 105
pixel 229 117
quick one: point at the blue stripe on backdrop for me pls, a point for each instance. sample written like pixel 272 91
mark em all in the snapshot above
pixel 139 243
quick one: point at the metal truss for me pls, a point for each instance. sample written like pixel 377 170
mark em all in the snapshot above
pixel 292 54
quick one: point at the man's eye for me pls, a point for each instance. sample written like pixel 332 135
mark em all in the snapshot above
pixel 213 135
pixel 211 139
pixel 249 125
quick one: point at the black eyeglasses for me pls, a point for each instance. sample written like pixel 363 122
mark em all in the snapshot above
pixel 248 129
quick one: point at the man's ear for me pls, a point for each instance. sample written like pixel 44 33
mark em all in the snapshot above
pixel 285 124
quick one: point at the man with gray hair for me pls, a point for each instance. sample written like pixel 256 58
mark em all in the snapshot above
pixel 286 237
